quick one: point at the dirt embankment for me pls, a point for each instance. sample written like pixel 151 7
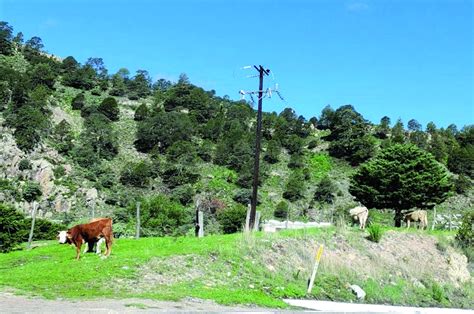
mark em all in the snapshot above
pixel 414 257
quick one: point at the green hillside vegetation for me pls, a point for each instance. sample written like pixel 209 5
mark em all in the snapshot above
pixel 79 139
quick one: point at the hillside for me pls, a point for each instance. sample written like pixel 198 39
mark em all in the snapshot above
pixel 405 268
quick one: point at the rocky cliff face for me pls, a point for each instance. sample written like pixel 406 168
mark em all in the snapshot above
pixel 57 198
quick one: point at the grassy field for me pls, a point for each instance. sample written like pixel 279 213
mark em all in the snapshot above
pixel 231 269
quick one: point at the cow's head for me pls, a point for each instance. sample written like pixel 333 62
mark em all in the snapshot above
pixel 63 237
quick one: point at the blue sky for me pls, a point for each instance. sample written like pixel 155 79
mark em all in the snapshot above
pixel 405 59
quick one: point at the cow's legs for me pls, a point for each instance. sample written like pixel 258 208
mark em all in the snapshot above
pixel 108 245
pixel 78 250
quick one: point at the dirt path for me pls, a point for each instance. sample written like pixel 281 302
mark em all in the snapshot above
pixel 10 303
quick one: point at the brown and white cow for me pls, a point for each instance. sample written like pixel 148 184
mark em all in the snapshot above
pixel 89 233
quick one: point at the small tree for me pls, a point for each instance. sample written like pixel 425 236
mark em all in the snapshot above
pixel 232 218
pixel 109 108
pixel 141 113
pixel 295 186
pixel 325 191
pixel 78 102
pixel 281 210
pixel 401 177
pixel 31 191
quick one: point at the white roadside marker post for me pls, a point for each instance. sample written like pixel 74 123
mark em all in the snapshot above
pixel 315 268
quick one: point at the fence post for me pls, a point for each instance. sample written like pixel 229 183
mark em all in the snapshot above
pixel 201 224
pixel 137 233
pixel 247 220
pixel 33 218
pixel 257 221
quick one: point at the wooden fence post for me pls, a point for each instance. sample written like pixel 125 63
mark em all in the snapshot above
pixel 247 220
pixel 33 218
pixel 257 221
pixel 137 233
pixel 201 224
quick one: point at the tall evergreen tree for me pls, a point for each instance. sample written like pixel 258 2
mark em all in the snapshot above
pixel 401 177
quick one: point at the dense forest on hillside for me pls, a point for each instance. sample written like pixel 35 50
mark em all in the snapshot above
pixel 82 141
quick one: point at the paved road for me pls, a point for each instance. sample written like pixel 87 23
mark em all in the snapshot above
pixel 327 306
pixel 10 303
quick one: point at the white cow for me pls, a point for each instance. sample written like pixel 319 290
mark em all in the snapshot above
pixel 360 213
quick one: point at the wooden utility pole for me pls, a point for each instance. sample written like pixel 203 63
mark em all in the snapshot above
pixel 253 204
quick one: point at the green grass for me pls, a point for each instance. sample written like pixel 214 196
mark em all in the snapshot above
pixel 231 269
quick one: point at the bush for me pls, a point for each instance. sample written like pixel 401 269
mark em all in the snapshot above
pixel 78 102
pixel 183 194
pixel 465 235
pixel 312 144
pixel 232 219
pixel 24 164
pixel 59 171
pixel 281 210
pixel 31 191
pixel 375 233
pixel 243 196
pixel 325 191
pixel 12 228
pixel 109 108
pixel 44 229
pixel 161 216
pixel 141 113
pixel 137 174
pixel 295 187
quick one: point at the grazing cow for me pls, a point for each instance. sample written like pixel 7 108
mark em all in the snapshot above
pixel 89 233
pixel 360 213
pixel 420 216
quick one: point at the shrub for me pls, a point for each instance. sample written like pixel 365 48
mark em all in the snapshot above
pixel 296 161
pixel 295 187
pixel 109 108
pixel 183 194
pixel 232 218
pixel 312 144
pixel 31 191
pixel 375 232
pixel 24 164
pixel 325 191
pixel 78 102
pixel 465 235
pixel 161 216
pixel 178 174
pixel 59 171
pixel 137 174
pixel 243 196
pixel 462 184
pixel 281 210
pixel 141 113
pixel 44 229
pixel 12 226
